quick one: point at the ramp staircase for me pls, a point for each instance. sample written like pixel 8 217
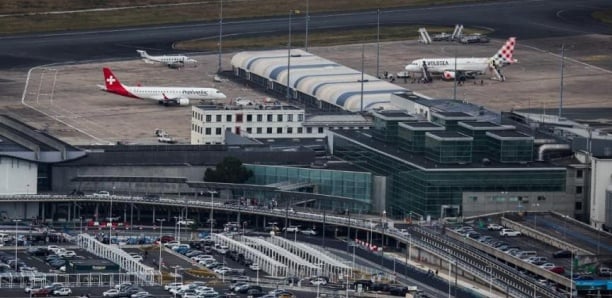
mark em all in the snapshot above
pixel 424 36
pixel 426 75
pixel 457 33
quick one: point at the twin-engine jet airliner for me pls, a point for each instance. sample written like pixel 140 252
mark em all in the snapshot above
pixel 163 95
pixel 172 61
pixel 462 68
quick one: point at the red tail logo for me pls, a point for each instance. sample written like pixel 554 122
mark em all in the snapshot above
pixel 113 85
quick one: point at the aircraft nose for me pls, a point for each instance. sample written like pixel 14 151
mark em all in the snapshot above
pixel 221 96
pixel 410 67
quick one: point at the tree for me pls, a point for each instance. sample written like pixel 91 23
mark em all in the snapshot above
pixel 230 170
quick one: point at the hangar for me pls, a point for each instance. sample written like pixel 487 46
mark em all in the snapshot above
pixel 314 81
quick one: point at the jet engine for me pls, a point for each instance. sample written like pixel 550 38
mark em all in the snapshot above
pixel 449 75
pixel 183 101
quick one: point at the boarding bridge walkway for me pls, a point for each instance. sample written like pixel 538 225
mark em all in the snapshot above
pixel 329 266
pixel 295 264
pixel 267 264
pixel 118 256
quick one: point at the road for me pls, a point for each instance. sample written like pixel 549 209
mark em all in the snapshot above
pixel 533 19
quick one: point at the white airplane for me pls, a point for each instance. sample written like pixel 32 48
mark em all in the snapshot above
pixel 173 61
pixel 462 68
pixel 163 95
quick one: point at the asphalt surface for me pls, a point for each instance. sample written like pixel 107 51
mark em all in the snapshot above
pixel 526 19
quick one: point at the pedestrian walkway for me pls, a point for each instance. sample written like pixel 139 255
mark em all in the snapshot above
pixel 482 290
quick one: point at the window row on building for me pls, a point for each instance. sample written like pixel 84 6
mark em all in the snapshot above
pixel 247 116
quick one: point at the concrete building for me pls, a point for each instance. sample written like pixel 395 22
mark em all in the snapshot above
pixel 27 156
pixel 460 164
pixel 211 124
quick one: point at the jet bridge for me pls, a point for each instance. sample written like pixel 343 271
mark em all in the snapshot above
pixel 295 264
pixel 267 264
pixel 329 266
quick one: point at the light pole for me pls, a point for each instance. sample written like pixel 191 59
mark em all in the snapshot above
pixel 212 207
pixel 161 227
pixel 243 225
pixel 535 215
pixel 409 247
pixel 220 34
pixel 177 221
pixel 317 278
pixel 175 274
pixel 16 223
pixel 490 280
pixel 450 264
pixel 110 219
pixel 287 95
pixel 377 43
pixel 307 21
pixel 382 237
pixel 348 231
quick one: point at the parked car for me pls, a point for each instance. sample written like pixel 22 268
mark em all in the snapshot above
pixel 547 266
pixel 494 227
pixel 110 293
pixel 254 267
pixel 291 229
pixel 62 292
pixel 509 232
pixel 557 269
pixel 318 281
pixel 562 254
pixel 291 280
pixel 43 292
pixel 310 232
pixel 101 194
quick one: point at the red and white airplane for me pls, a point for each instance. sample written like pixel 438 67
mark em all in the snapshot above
pixel 462 68
pixel 163 95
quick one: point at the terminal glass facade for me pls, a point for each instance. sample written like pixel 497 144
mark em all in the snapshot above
pixel 356 185
pixel 425 191
pixel 511 150
pixel 448 151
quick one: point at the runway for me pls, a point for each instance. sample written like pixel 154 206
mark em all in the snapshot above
pixel 532 19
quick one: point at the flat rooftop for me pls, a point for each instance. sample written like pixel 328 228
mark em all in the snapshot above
pixel 508 134
pixel 443 135
pixel 425 125
pixel 364 137
pixel 484 125
pixel 453 115
pixel 393 115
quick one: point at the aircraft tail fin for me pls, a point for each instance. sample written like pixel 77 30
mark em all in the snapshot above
pixel 142 53
pixel 505 53
pixel 111 82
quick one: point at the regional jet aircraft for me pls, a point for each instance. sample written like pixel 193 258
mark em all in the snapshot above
pixel 462 68
pixel 172 61
pixel 163 95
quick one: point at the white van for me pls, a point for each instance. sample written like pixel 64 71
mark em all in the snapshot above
pixel 523 255
pixel 5 237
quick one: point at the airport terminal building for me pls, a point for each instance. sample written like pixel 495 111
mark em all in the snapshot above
pixel 453 166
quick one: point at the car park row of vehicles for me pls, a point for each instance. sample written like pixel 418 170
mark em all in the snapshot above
pixel 196 289
pixel 127 290
pixel 55 289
